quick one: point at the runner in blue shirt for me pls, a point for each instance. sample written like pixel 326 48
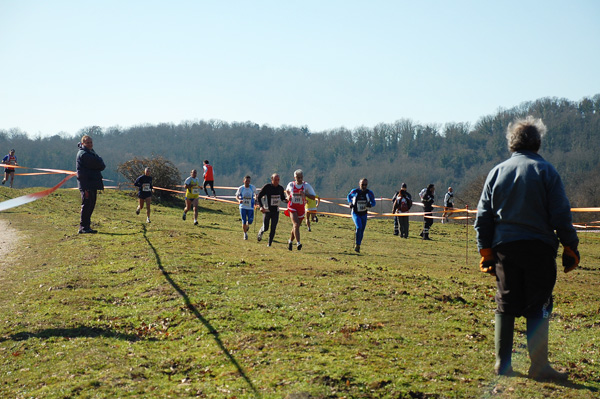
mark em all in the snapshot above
pixel 360 199
pixel 144 184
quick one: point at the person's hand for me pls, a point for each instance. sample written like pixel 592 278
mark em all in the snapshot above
pixel 570 258
pixel 487 264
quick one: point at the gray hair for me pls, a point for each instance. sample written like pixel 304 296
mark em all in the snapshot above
pixel 525 134
pixel 298 172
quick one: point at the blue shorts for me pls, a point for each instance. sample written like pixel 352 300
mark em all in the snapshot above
pixel 247 215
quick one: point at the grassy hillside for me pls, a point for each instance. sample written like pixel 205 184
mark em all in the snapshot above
pixel 169 309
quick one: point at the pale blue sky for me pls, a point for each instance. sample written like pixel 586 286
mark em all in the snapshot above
pixel 66 64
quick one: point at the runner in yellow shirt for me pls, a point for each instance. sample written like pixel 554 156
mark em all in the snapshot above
pixel 311 210
pixel 192 192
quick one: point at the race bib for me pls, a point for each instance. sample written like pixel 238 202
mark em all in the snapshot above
pixel 275 201
pixel 195 191
pixel 247 201
pixel 361 206
pixel 146 187
pixel 297 199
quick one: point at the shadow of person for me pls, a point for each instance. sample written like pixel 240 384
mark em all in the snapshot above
pixel 195 312
pixel 74 332
pixel 570 384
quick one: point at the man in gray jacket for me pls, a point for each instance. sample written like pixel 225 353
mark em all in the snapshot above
pixel 522 204
pixel 89 181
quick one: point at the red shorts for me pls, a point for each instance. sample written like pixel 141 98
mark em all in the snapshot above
pixel 297 208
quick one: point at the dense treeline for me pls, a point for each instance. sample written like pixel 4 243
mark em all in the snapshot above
pixel 456 154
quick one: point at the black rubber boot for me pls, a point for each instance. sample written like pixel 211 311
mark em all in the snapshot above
pixel 503 338
pixel 537 344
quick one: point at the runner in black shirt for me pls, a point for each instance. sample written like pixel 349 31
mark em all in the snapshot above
pixel 269 198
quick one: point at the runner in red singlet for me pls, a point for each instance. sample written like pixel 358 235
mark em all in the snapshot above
pixel 297 191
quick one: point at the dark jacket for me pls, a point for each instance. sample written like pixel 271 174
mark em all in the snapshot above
pixel 427 201
pixel 524 199
pixel 89 166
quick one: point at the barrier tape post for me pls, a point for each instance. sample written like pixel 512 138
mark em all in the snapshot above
pixel 467 246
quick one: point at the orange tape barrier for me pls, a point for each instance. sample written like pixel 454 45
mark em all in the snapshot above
pixel 32 197
pixel 25 199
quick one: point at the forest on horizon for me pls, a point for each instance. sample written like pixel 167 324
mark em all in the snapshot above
pixel 454 154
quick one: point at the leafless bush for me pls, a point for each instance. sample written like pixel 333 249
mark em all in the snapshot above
pixel 164 173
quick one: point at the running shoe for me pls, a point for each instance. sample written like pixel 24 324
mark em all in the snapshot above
pixel 290 245
pixel 316 219
pixel 87 231
pixel 183 217
pixel 259 236
pixel 195 223
pixel 268 244
pixel 299 247
pixel 308 228
pixel 137 211
pixel 245 236
pixel 147 220
pixel 357 248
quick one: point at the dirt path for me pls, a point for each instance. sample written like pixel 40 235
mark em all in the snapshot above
pixel 9 238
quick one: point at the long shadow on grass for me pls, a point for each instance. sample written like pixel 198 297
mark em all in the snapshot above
pixel 199 316
pixel 75 332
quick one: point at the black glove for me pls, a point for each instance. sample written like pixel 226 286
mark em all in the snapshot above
pixel 570 258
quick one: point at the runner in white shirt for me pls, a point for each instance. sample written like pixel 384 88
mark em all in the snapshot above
pixel 246 195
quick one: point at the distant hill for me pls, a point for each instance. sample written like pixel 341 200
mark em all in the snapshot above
pixel 456 154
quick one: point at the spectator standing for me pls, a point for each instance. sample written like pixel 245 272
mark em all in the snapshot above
pixel 89 180
pixel 402 202
pixel 427 198
pixel 523 214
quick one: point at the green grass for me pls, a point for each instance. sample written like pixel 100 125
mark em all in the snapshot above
pixel 169 309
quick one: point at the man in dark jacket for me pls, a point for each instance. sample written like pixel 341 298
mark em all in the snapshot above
pixel 89 181
pixel 402 202
pixel 427 198
pixel 522 215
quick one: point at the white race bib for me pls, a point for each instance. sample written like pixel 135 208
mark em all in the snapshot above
pixel 297 199
pixel 247 201
pixel 195 190
pixel 275 201
pixel 361 206
pixel 146 187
